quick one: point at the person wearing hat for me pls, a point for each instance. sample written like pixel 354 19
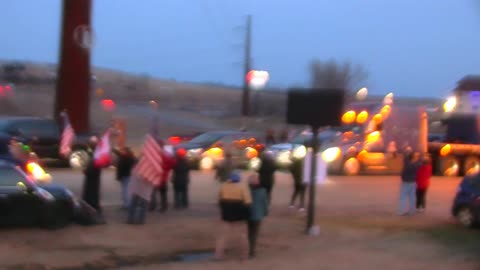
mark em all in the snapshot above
pixel 234 200
pixel 181 179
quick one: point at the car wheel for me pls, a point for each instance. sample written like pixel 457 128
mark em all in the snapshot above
pixel 78 159
pixel 351 167
pixel 466 217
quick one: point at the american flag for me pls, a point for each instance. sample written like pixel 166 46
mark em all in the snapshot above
pixel 68 135
pixel 150 165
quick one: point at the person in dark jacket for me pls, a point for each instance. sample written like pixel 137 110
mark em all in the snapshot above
pixel 181 179
pixel 125 163
pixel 408 187
pixel 258 211
pixel 225 168
pixel 91 185
pixel 234 200
pixel 270 137
pixel 168 162
pixel 266 172
pixel 296 169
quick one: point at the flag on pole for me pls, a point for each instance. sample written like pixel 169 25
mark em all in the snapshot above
pixel 68 136
pixel 102 156
pixel 150 165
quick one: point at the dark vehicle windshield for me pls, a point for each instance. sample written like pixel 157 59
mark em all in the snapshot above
pixel 39 128
pixel 206 138
pixel 10 177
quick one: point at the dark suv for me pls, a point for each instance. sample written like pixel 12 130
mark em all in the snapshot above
pixel 42 135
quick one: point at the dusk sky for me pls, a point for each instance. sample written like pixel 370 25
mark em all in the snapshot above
pixel 409 47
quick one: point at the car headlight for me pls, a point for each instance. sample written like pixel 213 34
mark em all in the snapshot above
pixel 254 164
pixel 299 152
pixel 194 152
pixel 45 195
pixel 331 154
pixel 284 157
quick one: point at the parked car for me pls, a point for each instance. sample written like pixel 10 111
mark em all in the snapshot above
pixel 24 201
pixel 207 150
pixel 43 136
pixel 466 206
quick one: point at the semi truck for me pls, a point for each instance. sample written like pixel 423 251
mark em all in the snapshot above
pixel 381 135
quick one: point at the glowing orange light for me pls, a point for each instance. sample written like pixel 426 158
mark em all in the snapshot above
pixel 35 170
pixel 362 155
pixel 252 142
pixel 362 117
pixel 377 118
pixel 242 143
pixel 251 153
pixel 373 137
pixel 349 117
pixel 214 152
pixel 446 149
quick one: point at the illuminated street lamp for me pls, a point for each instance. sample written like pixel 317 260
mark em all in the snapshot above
pixel 257 79
pixel 388 100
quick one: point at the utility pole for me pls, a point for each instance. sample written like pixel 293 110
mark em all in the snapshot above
pixel 247 68
pixel 73 75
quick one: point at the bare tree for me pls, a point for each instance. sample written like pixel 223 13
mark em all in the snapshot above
pixel 331 74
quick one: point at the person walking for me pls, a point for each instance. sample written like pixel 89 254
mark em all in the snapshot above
pixel 234 200
pixel 408 186
pixel 266 172
pixel 181 180
pixel 125 163
pixel 299 187
pixel 424 174
pixel 258 211
pixel 168 162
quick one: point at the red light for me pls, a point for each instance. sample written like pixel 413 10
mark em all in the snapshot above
pixel 250 75
pixel 174 140
pixel 108 105
pixel 8 88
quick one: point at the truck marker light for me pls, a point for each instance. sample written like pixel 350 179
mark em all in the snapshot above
pixel 362 117
pixel 445 151
pixel 349 117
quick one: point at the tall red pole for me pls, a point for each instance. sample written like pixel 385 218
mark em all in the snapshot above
pixel 74 77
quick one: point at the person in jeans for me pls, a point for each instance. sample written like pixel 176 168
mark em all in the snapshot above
pixel 258 211
pixel 408 187
pixel 234 200
pixel 296 170
pixel 181 179
pixel 140 191
pixel 424 174
pixel 125 163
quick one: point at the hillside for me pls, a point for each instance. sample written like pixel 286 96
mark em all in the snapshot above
pixel 184 107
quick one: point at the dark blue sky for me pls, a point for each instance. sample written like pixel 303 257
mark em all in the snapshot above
pixel 410 47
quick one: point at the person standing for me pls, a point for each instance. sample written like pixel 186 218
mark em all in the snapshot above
pixel 296 169
pixel 125 163
pixel 258 211
pixel 168 162
pixel 225 168
pixel 234 200
pixel 140 192
pixel 266 172
pixel 423 182
pixel 408 187
pixel 91 185
pixel 181 179
pixel 270 137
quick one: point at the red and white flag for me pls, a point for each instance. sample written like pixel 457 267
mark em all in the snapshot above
pixel 103 151
pixel 68 136
pixel 150 165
